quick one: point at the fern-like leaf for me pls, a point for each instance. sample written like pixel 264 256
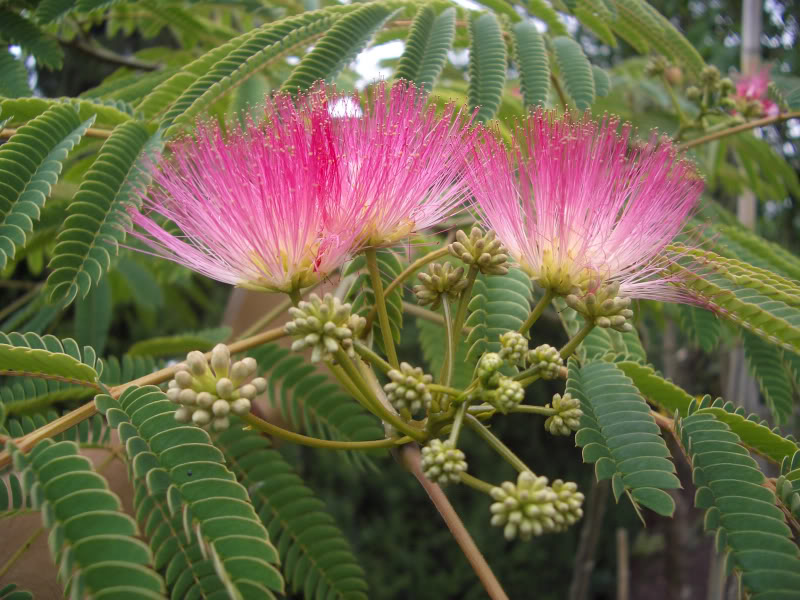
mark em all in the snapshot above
pixel 544 11
pixel 91 540
pixel 15 29
pixel 180 345
pixel 429 40
pixel 13 76
pixel 180 461
pixel 620 437
pixel 702 326
pixel 487 66
pixel 575 70
pixel 348 36
pixel 106 114
pixel 317 558
pixel 774 257
pixel 766 365
pixel 750 530
pixel 530 55
pixel 308 399
pixel 98 214
pixel 12 592
pixel 660 391
pixel 13 498
pixel 48 11
pixel 30 163
pixel 602 82
pixel 49 358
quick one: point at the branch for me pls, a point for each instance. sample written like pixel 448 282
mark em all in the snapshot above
pixel 109 56
pixel 738 129
pixel 91 132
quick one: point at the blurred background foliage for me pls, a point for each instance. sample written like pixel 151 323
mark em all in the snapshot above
pixel 406 551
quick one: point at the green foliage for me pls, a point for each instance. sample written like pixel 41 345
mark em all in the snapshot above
pixel 544 11
pixel 181 462
pixel 316 556
pixel 429 39
pixel 767 367
pixel 91 540
pixel 595 16
pixel 621 438
pixel 257 51
pixel 13 76
pixel 13 498
pixel 308 399
pixel 30 164
pixel 751 429
pixel 656 388
pixel 499 303
pixel 348 36
pixel 530 54
pixel 48 11
pixel 98 213
pixel 12 592
pixel 15 29
pixel 602 82
pixel 106 113
pixel 702 326
pixel 48 357
pixel 180 345
pixel 487 66
pixel 751 531
pixel 576 71
pixel 773 256
pixel 93 316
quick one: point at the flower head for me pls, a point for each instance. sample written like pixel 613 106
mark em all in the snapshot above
pixel 251 206
pixel 753 88
pixel 399 163
pixel 579 205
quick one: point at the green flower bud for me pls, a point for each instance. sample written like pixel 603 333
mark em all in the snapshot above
pixel 568 415
pixel 482 250
pixel 547 361
pixel 324 325
pixel 710 76
pixel 726 86
pixel 408 389
pixel 601 305
pixel 694 93
pixel 442 463
pixel 488 366
pixel 514 345
pixel 443 278
pixel 220 360
pixel 509 393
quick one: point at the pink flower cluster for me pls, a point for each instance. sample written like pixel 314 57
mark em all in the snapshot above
pixel 754 87
pixel 579 204
pixel 279 205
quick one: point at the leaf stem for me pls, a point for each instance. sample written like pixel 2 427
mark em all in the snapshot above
pixel 571 345
pixel 476 484
pixel 428 315
pixel 410 459
pixel 380 304
pixel 20 551
pixel 463 303
pixel 738 129
pixel 298 438
pixel 495 443
pixel 535 410
pixel 443 389
pixel 372 356
pixel 93 132
pixel 450 349
pixel 458 420
pixel 537 311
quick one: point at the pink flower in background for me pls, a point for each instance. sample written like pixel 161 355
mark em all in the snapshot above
pixel 400 163
pixel 251 207
pixel 754 87
pixel 580 205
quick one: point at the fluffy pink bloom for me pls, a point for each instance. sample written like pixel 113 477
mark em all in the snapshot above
pixel 754 87
pixel 251 207
pixel 399 162
pixel 580 205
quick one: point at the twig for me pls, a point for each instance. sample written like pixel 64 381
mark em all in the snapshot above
pixel 590 535
pixel 20 551
pixel 91 132
pixel 109 56
pixel 410 458
pixel 738 129
pixel 623 565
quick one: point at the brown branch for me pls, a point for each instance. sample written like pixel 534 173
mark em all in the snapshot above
pixel 738 129
pixel 590 535
pixel 410 458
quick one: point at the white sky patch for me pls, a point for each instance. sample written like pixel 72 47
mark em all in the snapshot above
pixel 367 64
pixel 345 107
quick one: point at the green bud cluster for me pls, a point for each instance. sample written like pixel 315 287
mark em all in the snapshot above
pixel 507 395
pixel 531 507
pixel 324 325
pixel 488 369
pixel 710 76
pixel 568 415
pixel 408 389
pixel 481 249
pixel 514 345
pixel 443 278
pixel 443 463
pixel 656 66
pixel 603 306
pixel 207 394
pixel 547 361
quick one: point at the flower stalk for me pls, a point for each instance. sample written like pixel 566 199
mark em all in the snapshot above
pixel 497 445
pixel 380 305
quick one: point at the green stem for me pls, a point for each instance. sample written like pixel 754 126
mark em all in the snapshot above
pixel 298 438
pixel 463 302
pixel 569 348
pixel 428 315
pixel 477 484
pixel 295 296
pixel 380 304
pixel 376 407
pixel 536 410
pixel 537 311
pixel 372 357
pixel 495 443
pixel 450 351
pixel 525 382
pixel 20 551
pixel 443 389
pixel 674 98
pixel 458 420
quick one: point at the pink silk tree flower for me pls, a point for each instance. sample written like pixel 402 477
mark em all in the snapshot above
pixel 400 163
pixel 754 88
pixel 251 206
pixel 581 206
